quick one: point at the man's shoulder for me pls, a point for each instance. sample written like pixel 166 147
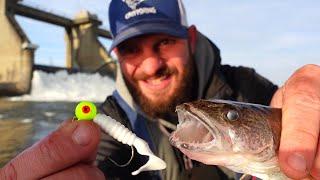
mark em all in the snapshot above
pixel 110 105
pixel 243 75
pixel 112 108
pixel 248 85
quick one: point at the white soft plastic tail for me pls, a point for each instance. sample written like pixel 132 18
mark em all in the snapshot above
pixel 125 136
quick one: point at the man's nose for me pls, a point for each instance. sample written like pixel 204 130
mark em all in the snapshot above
pixel 152 63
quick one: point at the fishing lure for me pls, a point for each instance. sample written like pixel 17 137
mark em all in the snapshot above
pixel 86 110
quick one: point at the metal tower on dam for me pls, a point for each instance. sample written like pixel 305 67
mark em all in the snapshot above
pixel 84 51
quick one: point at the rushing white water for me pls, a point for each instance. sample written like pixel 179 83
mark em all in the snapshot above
pixel 62 86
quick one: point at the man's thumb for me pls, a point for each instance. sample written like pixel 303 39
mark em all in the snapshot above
pixel 71 143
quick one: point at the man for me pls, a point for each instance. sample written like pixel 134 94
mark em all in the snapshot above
pixel 162 63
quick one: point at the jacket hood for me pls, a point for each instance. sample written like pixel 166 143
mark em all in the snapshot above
pixel 206 57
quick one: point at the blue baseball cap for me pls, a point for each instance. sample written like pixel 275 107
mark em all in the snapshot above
pixel 131 18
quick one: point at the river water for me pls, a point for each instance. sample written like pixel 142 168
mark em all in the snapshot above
pixel 25 120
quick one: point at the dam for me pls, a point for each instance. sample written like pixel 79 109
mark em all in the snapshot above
pixel 84 52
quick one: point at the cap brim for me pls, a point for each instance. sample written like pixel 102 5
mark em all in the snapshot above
pixel 149 28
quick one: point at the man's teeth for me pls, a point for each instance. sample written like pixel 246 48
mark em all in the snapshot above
pixel 156 81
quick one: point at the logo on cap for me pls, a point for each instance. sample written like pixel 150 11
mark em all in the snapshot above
pixel 133 3
pixel 138 12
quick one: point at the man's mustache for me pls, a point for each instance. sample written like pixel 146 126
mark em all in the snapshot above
pixel 164 71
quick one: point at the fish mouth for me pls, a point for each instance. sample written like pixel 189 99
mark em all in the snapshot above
pixel 192 133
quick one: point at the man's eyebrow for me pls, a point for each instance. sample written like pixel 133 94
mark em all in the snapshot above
pixel 133 41
pixel 125 45
pixel 129 42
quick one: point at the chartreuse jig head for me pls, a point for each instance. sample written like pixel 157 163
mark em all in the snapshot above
pixel 86 110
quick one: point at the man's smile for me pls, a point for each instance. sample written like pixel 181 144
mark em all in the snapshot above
pixel 156 84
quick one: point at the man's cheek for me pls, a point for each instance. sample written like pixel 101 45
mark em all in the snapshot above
pixel 127 70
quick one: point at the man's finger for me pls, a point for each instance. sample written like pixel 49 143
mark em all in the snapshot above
pixel 277 99
pixel 71 143
pixel 300 122
pixel 315 171
pixel 79 172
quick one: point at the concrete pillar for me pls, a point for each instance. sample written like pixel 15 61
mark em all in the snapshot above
pixel 84 49
pixel 71 51
pixel 16 55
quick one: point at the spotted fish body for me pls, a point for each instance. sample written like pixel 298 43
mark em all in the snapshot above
pixel 240 136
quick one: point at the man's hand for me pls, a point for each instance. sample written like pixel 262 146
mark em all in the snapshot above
pixel 299 98
pixel 67 153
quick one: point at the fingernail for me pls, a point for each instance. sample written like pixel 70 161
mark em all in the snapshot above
pixel 82 135
pixel 297 162
pixel 99 173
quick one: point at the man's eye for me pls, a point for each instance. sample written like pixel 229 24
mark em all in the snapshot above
pixel 128 51
pixel 167 42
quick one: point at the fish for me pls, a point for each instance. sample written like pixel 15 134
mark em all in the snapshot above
pixel 240 136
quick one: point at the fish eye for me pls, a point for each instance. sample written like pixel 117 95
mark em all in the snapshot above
pixel 232 115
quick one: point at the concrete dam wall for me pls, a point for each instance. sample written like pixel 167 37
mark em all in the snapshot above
pixel 84 52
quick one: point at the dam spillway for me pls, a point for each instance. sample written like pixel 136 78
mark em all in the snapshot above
pixel 83 49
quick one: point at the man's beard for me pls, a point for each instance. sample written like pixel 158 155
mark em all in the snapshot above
pixel 186 90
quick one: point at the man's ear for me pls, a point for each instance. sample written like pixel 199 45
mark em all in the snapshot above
pixel 116 51
pixel 192 37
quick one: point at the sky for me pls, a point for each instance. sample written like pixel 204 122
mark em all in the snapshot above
pixel 273 37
